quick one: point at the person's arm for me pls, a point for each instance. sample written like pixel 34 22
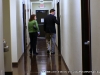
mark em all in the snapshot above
pixel 56 21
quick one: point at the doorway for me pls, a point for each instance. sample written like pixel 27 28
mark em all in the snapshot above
pixel 41 14
pixel 24 28
pixel 58 17
pixel 86 36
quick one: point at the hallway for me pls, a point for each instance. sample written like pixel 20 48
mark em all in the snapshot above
pixel 42 64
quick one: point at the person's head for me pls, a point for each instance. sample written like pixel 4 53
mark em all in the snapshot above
pixel 32 17
pixel 52 11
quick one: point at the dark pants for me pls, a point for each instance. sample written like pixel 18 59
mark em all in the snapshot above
pixel 33 42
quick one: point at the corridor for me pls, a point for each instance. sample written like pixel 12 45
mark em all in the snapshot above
pixel 42 64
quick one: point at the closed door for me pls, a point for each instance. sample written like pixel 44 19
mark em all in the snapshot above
pixel 86 37
pixel 41 14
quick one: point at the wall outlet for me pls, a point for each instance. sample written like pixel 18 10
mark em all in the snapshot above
pixel 2 73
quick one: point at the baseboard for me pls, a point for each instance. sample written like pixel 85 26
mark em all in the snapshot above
pixel 15 64
pixel 8 73
pixel 65 65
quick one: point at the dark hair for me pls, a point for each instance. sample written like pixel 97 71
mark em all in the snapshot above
pixel 52 10
pixel 32 17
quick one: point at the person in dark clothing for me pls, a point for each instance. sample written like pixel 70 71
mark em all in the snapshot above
pixel 33 33
pixel 50 31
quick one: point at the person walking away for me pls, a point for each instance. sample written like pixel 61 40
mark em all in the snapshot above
pixel 33 33
pixel 50 31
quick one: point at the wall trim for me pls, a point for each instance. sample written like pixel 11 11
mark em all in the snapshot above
pixel 15 64
pixel 8 73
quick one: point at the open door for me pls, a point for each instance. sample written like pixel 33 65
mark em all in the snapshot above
pixel 86 37
pixel 58 17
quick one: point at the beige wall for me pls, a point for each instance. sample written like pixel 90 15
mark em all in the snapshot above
pixel 71 44
pixel 7 34
pixel 35 6
pixel 95 35
pixel 1 42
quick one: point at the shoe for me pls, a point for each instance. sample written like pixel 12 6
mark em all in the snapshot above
pixel 48 51
pixel 52 52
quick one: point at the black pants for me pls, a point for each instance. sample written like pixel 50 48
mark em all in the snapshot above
pixel 33 42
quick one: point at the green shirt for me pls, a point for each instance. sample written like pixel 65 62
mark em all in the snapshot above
pixel 30 26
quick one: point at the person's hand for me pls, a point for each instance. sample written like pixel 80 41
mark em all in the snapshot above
pixel 38 33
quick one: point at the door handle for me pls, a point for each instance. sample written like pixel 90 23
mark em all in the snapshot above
pixel 6 48
pixel 87 43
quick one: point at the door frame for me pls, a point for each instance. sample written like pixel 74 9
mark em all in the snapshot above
pixel 24 28
pixel 86 36
pixel 58 17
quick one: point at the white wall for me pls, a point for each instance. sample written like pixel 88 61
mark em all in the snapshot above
pixel 35 6
pixel 95 35
pixel 16 22
pixel 1 42
pixel 19 23
pixel 13 30
pixel 71 44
